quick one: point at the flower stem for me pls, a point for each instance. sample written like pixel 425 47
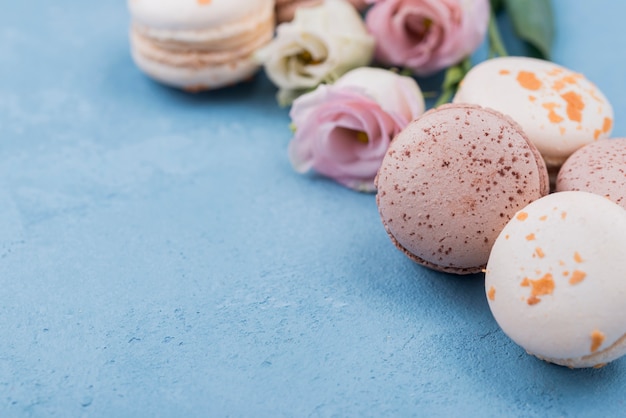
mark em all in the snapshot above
pixel 453 77
pixel 496 46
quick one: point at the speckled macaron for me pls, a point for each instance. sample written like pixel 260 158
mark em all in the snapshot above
pixel 599 168
pixel 199 44
pixel 560 110
pixel 451 180
pixel 555 280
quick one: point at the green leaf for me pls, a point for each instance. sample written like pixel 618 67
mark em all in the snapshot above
pixel 496 46
pixel 533 21
pixel 453 76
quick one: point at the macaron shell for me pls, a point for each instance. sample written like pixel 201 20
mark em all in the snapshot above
pixel 451 180
pixel 197 79
pixel 286 9
pixel 555 279
pixel 598 168
pixel 197 57
pixel 559 110
pixel 193 14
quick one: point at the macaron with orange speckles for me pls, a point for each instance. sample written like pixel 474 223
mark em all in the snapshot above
pixel 199 44
pixel 560 110
pixel 599 168
pixel 555 279
pixel 451 180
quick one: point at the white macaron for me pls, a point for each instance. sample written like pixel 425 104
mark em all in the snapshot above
pixel 199 44
pixel 555 279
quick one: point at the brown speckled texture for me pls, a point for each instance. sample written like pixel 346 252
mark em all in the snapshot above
pixel 599 168
pixel 451 180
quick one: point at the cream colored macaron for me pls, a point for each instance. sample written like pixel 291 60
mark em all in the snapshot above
pixel 559 109
pixel 556 279
pixel 199 44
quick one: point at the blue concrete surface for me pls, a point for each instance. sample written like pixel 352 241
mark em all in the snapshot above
pixel 159 257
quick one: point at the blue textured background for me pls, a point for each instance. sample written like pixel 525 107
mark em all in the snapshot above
pixel 158 256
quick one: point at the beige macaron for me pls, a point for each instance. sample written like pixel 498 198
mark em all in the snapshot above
pixel 199 44
pixel 559 109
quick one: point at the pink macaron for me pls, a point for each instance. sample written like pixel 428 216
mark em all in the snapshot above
pixel 450 182
pixel 599 168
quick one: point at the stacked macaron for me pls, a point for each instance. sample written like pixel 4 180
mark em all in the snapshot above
pixel 199 44
pixel 464 188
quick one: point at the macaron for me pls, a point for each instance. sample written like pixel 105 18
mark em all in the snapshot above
pixel 559 109
pixel 451 180
pixel 286 9
pixel 599 168
pixel 199 44
pixel 555 279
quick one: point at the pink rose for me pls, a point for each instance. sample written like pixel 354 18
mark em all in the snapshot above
pixel 343 130
pixel 427 35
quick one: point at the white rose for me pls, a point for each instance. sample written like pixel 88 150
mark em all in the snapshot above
pixel 318 46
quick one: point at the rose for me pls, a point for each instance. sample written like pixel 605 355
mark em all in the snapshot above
pixel 427 35
pixel 318 46
pixel 343 130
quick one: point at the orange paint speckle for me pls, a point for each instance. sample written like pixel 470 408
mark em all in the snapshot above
pixel 540 287
pixel 204 2
pixel 566 273
pixel 558 85
pixel 597 133
pixel 597 338
pixel 577 257
pixel 593 93
pixel 565 80
pixel 577 277
pixel 504 72
pixel 533 300
pixel 563 215
pixel 555 71
pixel 539 252
pixel 529 80
pixel 525 282
pixel 607 125
pixel 507 236
pixel 562 129
pixel 552 115
pixel 522 216
pixel 543 218
pixel 532 98
pixel 575 105
pixel 530 237
pixel 492 293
